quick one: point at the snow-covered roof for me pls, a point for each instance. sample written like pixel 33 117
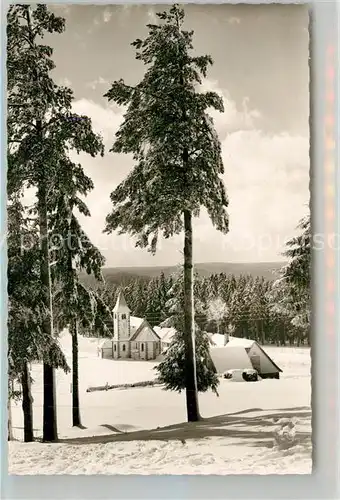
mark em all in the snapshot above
pixel 217 339
pixel 236 341
pixel 230 358
pixel 121 305
pixel 166 334
pixel 247 344
pixel 135 323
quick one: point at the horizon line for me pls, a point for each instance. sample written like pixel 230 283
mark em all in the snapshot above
pixel 198 263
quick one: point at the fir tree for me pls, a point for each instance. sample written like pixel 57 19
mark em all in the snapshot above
pixel 176 297
pixel 217 311
pixel 42 128
pixel 74 253
pixel 291 291
pixel 172 369
pixel 258 307
pixel 28 341
pixel 177 156
pixel 153 309
pixel 240 305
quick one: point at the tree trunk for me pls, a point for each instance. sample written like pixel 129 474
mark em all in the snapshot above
pixel 9 420
pixel 283 335
pixel 75 375
pixel 189 330
pixel 258 336
pixel 49 411
pixel 263 334
pixel 27 404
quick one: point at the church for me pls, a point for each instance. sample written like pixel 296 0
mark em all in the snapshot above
pixel 133 337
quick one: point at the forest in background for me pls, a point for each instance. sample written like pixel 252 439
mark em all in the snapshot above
pixel 244 306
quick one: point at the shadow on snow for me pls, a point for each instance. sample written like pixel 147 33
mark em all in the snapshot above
pixel 259 429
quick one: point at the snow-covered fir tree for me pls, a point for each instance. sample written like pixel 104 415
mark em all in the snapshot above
pixel 73 253
pixel 171 371
pixel 43 129
pixel 177 153
pixel 28 340
pixel 291 294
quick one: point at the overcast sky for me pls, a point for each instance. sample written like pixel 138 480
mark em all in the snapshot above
pixel 260 67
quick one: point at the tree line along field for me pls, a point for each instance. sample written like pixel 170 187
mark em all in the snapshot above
pixel 244 305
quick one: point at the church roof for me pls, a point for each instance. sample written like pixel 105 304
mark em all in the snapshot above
pixel 121 305
pixel 144 324
pixel 135 323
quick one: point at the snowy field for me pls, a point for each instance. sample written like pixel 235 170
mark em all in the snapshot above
pixel 144 430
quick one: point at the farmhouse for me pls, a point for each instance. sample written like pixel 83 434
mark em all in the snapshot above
pixel 240 351
pixel 230 353
pixel 133 337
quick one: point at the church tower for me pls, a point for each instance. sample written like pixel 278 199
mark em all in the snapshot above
pixel 121 319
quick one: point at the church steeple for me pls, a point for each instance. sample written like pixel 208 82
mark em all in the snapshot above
pixel 121 318
pixel 121 305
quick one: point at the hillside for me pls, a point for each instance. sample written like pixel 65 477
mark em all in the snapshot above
pixel 119 275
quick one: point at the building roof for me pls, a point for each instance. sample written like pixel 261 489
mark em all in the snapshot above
pixel 270 359
pixel 247 343
pixel 230 358
pixel 143 323
pixel 166 334
pixel 218 341
pixel 121 305
pixel 135 323
pixel 237 341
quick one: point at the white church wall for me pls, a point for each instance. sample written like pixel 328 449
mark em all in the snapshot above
pixel 145 335
pixel 124 349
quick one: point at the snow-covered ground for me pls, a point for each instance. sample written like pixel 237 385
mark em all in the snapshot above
pixel 144 430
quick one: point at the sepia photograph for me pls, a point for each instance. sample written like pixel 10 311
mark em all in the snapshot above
pixel 158 239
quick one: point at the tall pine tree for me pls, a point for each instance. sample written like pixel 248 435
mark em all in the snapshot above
pixel 28 341
pixel 74 253
pixel 43 128
pixel 177 157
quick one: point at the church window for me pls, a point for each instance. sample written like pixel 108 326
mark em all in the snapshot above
pixel 123 316
pixel 115 347
pixel 123 347
pixel 142 347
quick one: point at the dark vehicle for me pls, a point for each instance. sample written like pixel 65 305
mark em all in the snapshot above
pixel 246 375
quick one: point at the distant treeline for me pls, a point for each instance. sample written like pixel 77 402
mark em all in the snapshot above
pixel 124 275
